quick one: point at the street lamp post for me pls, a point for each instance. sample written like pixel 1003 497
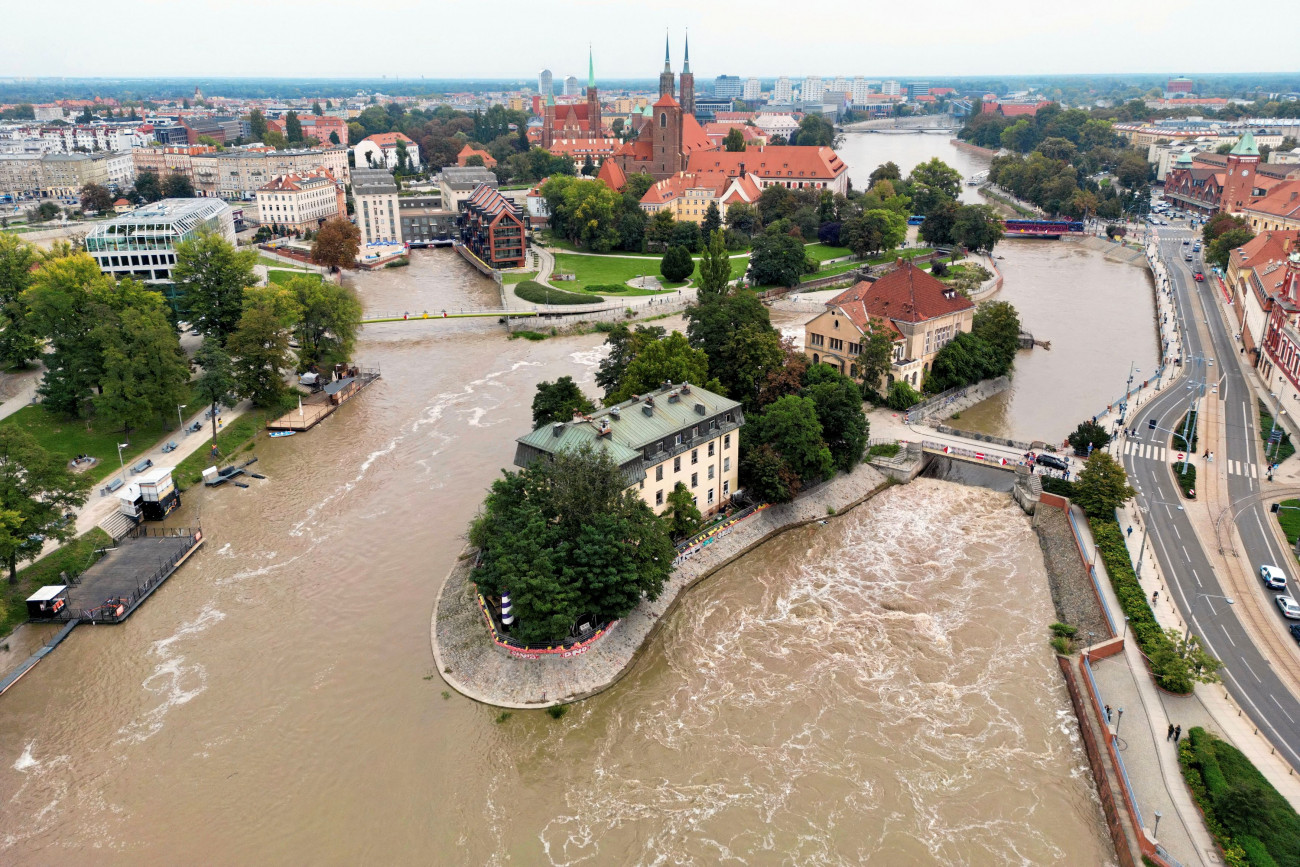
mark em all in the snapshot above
pixel 1128 388
pixel 1155 832
pixel 180 422
pixel 120 462
pixel 1119 719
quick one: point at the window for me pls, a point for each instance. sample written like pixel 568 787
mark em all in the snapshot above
pixel 855 349
pixel 695 456
pixel 677 440
pixel 711 449
pixel 659 473
pixel 837 323
pixel 641 484
pixel 710 470
pixel 726 488
pixel 816 340
pixel 726 441
pixel 677 464
pixel 663 119
pixel 710 496
pixel 837 344
pixel 726 465
pixel 659 497
pixel 695 480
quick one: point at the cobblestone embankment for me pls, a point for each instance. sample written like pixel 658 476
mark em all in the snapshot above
pixel 470 664
pixel 1073 595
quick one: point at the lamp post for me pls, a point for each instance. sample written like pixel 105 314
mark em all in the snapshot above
pixel 1119 719
pixel 1187 635
pixel 1128 388
pixel 120 462
pixel 1155 832
pixel 180 422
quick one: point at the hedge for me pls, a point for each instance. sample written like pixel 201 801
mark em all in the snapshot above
pixel 1060 487
pixel 531 290
pixel 1168 668
pixel 1188 423
pixel 1186 480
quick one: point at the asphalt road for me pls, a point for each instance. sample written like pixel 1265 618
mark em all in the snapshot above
pixel 1213 372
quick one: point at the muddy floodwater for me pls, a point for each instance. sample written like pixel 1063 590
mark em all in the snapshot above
pixel 878 689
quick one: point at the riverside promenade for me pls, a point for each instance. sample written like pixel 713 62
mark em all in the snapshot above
pixel 472 665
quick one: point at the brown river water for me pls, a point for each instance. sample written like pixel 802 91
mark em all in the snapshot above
pixel 876 689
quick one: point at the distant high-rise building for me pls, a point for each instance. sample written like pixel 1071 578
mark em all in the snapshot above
pixel 918 88
pixel 728 87
pixel 840 84
pixel 859 88
pixel 782 92
pixel 1177 86
pixel 571 86
pixel 545 84
pixel 890 88
pixel 812 89
pixel 753 89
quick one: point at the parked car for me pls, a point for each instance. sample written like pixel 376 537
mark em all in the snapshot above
pixel 1273 577
pixel 1196 248
pixel 1051 461
pixel 1290 610
pixel 1295 632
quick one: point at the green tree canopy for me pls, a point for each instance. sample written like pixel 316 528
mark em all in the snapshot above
pixel 877 357
pixel 212 277
pixel 791 429
pixel 624 345
pixel 19 342
pixel 177 186
pixel 715 267
pixel 734 141
pixel 998 324
pixel 558 401
pixel 216 383
pixel 95 197
pixel 931 184
pixel 682 515
pixel 337 243
pixel 658 361
pixel 259 346
pixel 566 538
pixel 976 227
pixel 1102 486
pixel 873 231
pixel 145 374
pixel 885 172
pixel 677 264
pixel 1088 436
pixel 329 317
pixel 777 260
pixel 839 409
pixel 36 490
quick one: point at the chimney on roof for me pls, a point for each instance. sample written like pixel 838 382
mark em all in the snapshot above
pixel 648 408
pixel 557 428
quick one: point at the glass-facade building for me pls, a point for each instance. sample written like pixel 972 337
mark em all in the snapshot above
pixel 141 244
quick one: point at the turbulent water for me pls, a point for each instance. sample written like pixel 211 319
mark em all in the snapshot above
pixel 875 689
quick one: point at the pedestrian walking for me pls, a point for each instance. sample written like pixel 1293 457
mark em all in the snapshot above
pixel 1107 713
pixel 1178 733
pixel 1130 531
pixel 1169 735
pixel 1155 595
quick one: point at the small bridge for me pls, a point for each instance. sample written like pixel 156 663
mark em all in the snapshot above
pixel 973 455
pixel 1051 229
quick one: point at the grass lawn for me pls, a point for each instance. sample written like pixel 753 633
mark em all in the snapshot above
pixel 518 278
pixel 1289 519
pixel 1282 450
pixel 73 558
pixel 238 436
pixel 286 276
pixel 822 252
pixel 603 270
pixel 831 270
pixel 96 437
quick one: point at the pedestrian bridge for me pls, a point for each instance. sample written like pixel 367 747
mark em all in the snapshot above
pixel 972 455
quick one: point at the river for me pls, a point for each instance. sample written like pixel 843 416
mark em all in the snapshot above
pixel 879 688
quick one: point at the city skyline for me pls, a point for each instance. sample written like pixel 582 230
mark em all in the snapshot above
pixel 1109 37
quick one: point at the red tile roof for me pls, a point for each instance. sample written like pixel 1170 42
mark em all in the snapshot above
pixel 789 162
pixel 1283 200
pixel 906 294
pixel 388 139
pixel 470 151
pixel 612 175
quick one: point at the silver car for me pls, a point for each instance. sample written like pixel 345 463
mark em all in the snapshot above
pixel 1273 577
pixel 1290 610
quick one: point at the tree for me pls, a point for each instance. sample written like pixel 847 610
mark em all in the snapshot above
pixel 682 515
pixel 147 186
pixel 839 409
pixel 659 361
pixel 659 230
pixel 876 358
pixel 1220 223
pixel 902 396
pixel 715 267
pixel 558 401
pixel 565 538
pixel 317 110
pixel 260 345
pixel 712 220
pixel 177 186
pixel 19 342
pixel 976 227
pixel 328 318
pixel 334 138
pixel 742 217
pixel 1102 486
pixel 96 198
pixel 815 131
pixel 212 276
pixel 734 141
pixel 337 244
pixel 216 384
pixel 791 428
pixel 966 359
pixel 144 370
pixel 1088 437
pixel 735 332
pixel 624 345
pixel 937 229
pixel 474 161
pixel 292 127
pixel 1220 250
pixel 777 260
pixel 36 491
pixel 873 231
pixel 931 184
pixel 677 264
pixel 998 324
pixel 766 475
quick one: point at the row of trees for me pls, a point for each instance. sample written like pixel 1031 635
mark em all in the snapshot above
pixel 987 350
pixel 1223 234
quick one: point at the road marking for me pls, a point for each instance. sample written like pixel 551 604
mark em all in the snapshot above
pixel 1252 671
pixel 1176 533
pixel 1186 556
pixel 1198 579
pixel 1225 633
pixel 1128 447
pixel 1254 471
pixel 1279 707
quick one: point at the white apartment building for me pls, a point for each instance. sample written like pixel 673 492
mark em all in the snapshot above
pixel 782 92
pixel 840 85
pixel 753 89
pixel 20 176
pixel 239 174
pixel 891 88
pixel 374 195
pixel 859 88
pixel 300 202
pixel 812 89
pixel 142 243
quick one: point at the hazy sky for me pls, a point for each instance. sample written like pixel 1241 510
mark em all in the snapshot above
pixel 514 38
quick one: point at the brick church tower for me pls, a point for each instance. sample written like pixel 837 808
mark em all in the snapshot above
pixel 666 138
pixel 1240 180
pixel 666 84
pixel 594 127
pixel 688 81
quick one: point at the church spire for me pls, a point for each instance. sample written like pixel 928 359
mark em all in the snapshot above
pixel 686 63
pixel 591 68
pixel 667 66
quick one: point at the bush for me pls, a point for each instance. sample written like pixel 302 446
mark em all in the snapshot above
pixel 1284 449
pixel 536 293
pixel 1187 423
pixel 557 710
pixel 902 396
pixel 1186 480
pixel 883 450
pixel 1060 644
pixel 677 264
pixel 1169 669
pixel 527 335
pixel 1060 487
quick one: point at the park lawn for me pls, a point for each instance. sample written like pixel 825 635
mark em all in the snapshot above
pixel 601 270
pixel 1289 518
pixel 831 270
pixel 95 437
pixel 74 558
pixel 281 277
pixel 822 252
pixel 238 436
pixel 519 277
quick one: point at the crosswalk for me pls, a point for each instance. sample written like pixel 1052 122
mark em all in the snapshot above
pixel 1152 452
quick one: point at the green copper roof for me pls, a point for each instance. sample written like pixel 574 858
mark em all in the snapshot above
pixel 667 68
pixel 1184 157
pixel 550 99
pixel 686 62
pixel 591 69
pixel 1245 147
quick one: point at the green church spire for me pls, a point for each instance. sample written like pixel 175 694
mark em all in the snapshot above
pixel 686 63
pixel 591 68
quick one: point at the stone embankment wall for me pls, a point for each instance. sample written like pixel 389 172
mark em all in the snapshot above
pixel 1073 594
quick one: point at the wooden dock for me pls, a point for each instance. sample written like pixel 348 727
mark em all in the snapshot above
pixel 316 407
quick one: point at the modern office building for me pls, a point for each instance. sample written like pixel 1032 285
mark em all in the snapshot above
pixel 918 88
pixel 374 196
pixel 492 227
pixel 545 83
pixel 728 87
pixel 571 86
pixel 142 243
pixel 425 222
